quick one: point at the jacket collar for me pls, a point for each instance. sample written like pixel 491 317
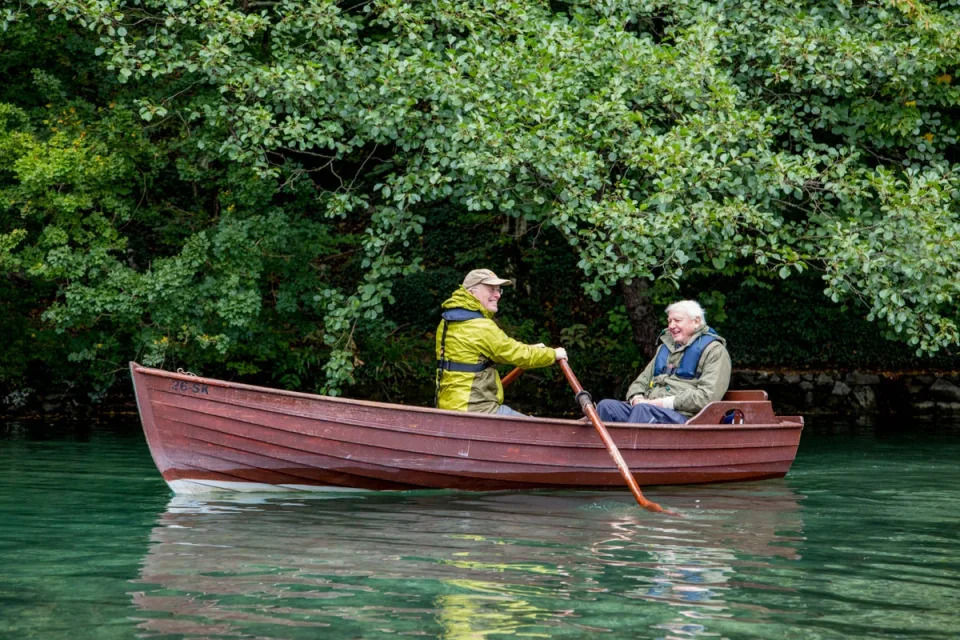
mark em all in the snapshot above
pixel 463 299
pixel 667 339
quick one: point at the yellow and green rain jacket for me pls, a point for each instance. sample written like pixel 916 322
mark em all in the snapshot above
pixel 478 343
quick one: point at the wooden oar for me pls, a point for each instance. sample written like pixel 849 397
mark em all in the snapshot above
pixel 586 403
pixel 510 377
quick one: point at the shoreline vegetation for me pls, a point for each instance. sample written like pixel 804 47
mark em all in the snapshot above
pixel 283 193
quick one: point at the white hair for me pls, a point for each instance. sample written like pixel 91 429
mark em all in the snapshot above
pixel 690 308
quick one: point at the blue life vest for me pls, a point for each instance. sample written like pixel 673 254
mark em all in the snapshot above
pixel 687 368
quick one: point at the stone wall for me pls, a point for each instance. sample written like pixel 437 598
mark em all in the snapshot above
pixel 856 393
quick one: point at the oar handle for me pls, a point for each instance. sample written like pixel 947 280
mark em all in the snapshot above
pixel 586 404
pixel 508 379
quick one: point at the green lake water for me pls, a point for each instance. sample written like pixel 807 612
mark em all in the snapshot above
pixel 860 540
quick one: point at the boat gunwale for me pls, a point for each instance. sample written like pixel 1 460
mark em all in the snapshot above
pixel 226 384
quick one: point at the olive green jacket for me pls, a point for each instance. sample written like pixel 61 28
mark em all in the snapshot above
pixel 688 396
pixel 478 341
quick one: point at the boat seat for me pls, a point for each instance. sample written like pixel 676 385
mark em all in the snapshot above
pixel 754 411
pixel 746 394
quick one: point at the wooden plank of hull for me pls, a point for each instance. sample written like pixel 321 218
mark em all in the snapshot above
pixel 241 458
pixel 486 459
pixel 194 481
pixel 440 437
pixel 211 431
pixel 349 441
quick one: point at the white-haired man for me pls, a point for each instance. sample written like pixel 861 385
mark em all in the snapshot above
pixel 690 369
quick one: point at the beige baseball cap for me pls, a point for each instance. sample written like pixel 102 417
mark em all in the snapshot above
pixel 483 276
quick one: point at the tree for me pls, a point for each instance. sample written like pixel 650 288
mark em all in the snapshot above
pixel 662 139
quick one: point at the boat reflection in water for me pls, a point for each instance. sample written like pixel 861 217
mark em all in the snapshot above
pixel 465 565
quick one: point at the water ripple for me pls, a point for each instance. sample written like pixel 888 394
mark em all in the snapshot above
pixel 860 541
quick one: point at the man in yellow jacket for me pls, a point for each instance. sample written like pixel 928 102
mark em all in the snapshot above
pixel 469 344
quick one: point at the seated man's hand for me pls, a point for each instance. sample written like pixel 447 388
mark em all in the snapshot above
pixel 638 399
pixel 561 353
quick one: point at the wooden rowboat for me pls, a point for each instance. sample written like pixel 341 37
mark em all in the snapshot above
pixel 208 435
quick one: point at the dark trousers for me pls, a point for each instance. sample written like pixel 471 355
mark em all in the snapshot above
pixel 642 413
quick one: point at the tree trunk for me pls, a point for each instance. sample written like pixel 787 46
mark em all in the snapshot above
pixel 644 319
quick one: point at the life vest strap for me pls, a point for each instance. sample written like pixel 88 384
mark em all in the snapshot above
pixel 463 367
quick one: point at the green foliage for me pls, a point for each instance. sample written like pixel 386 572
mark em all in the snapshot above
pixel 791 327
pixel 259 188
pixel 130 244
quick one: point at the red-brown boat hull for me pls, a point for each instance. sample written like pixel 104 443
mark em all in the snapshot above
pixel 207 434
